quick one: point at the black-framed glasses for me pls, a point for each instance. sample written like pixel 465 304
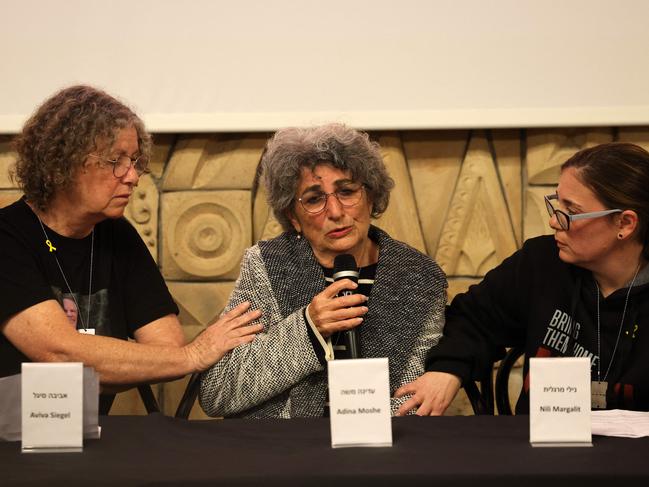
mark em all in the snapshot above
pixel 564 219
pixel 316 201
pixel 123 163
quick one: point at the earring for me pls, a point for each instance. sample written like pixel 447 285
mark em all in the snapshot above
pixel 619 236
pixel 299 235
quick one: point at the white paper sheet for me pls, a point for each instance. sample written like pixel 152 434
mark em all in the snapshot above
pixel 618 422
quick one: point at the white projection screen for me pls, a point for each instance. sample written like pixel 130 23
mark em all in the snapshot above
pixel 253 65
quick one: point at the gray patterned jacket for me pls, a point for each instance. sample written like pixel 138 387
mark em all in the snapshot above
pixel 278 375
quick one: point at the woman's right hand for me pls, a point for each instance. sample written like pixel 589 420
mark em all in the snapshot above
pixel 331 313
pixel 229 331
pixel 431 393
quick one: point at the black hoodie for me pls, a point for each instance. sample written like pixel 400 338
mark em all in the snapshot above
pixel 536 301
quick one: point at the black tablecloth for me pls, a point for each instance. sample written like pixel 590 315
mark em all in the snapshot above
pixel 446 451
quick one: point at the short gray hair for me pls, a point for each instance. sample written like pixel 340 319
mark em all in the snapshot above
pixel 344 148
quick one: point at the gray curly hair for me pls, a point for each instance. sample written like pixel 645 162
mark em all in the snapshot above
pixel 344 148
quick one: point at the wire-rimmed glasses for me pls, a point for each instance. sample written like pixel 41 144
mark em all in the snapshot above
pixel 564 219
pixel 123 163
pixel 316 201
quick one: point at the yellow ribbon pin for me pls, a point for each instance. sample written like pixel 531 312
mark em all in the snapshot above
pixel 49 244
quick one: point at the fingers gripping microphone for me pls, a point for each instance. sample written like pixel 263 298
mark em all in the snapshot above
pixel 345 268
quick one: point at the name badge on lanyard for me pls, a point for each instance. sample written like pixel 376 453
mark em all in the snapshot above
pixel 86 331
pixel 598 394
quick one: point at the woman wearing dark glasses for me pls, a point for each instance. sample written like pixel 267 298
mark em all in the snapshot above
pixel 583 292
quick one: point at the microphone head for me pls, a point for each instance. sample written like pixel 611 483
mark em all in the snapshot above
pixel 345 267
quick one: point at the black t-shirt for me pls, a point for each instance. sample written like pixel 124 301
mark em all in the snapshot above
pixel 126 292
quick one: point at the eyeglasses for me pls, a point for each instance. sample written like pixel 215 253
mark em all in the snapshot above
pixel 316 201
pixel 564 218
pixel 123 163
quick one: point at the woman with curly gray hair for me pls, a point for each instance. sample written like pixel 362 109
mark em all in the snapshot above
pixel 66 245
pixel 325 184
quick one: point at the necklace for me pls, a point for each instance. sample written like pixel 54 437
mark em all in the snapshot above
pixel 52 249
pixel 598 389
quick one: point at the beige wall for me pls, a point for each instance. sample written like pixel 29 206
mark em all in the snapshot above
pixel 466 198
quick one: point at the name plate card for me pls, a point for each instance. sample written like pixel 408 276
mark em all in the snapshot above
pixel 52 405
pixel 560 401
pixel 359 402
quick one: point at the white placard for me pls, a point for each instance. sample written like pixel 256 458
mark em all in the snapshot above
pixel 359 402
pixel 52 405
pixel 560 401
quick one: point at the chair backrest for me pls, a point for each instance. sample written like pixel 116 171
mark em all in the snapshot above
pixel 482 399
pixel 189 397
pixel 503 403
pixel 149 400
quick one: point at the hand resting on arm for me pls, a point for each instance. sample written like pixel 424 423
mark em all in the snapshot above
pixel 43 334
pixel 431 393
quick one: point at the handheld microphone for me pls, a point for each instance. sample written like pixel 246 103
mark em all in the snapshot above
pixel 345 268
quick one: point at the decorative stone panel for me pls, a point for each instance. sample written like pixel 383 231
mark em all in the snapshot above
pixel 401 219
pixel 265 226
pixel 142 212
pixel 204 234
pixel 200 304
pixel 161 151
pixel 478 231
pixel 537 219
pixel 223 161
pixel 635 135
pixel 7 159
pixel 9 196
pixel 507 151
pixel 434 160
pixel 548 149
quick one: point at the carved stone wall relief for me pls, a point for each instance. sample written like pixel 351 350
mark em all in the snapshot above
pixel 8 196
pixel 265 226
pixel 537 220
pixel 162 149
pixel 204 234
pixel 478 231
pixel 507 150
pixel 185 162
pixel 142 212
pixel 401 219
pixel 434 159
pixel 200 303
pixel 7 159
pixel 635 135
pixel 223 161
pixel 548 149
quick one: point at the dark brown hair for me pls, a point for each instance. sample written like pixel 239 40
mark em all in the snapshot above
pixel 618 174
pixel 57 139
